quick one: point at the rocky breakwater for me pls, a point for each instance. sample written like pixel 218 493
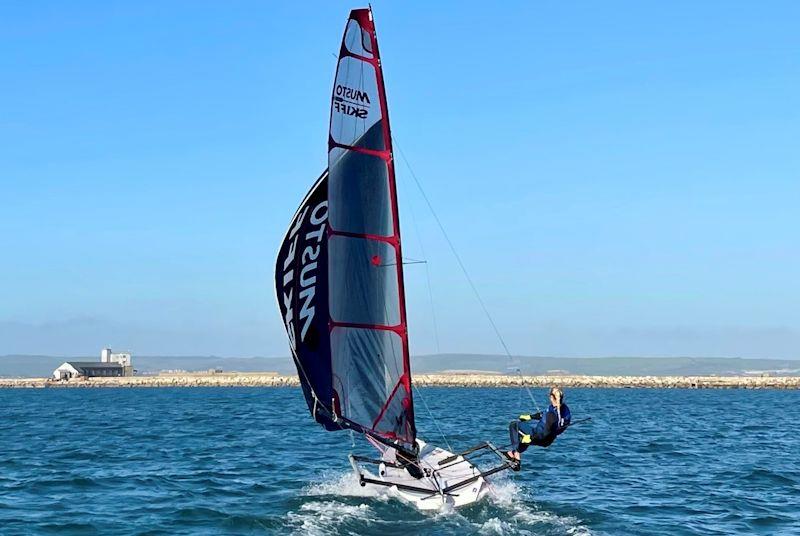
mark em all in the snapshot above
pixel 229 379
pixel 653 382
pixel 271 379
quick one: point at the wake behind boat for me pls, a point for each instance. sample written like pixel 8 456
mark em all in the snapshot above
pixel 340 289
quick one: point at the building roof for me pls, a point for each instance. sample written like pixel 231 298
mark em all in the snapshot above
pixel 81 365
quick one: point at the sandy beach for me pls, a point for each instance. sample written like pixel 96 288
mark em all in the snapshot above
pixel 270 379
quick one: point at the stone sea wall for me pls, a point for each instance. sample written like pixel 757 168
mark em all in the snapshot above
pixel 267 379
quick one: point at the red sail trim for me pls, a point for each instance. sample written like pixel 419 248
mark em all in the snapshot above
pixel 388 401
pixel 343 52
pixel 399 328
pixel 388 239
pixel 385 155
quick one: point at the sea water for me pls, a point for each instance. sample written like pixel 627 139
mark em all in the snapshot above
pixel 250 461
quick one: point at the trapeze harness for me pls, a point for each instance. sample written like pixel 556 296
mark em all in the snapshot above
pixel 538 429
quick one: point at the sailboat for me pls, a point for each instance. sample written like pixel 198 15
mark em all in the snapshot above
pixel 340 289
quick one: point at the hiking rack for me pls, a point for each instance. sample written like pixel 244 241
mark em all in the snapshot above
pixel 431 474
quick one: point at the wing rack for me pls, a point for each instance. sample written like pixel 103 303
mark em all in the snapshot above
pixel 432 473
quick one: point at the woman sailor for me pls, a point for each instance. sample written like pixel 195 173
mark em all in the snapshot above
pixel 538 429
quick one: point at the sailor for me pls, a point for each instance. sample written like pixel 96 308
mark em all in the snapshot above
pixel 538 429
pixel 410 462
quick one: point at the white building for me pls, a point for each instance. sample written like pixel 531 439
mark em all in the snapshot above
pixel 123 358
pixel 87 369
pixel 110 364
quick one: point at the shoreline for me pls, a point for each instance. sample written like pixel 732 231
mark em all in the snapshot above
pixel 271 379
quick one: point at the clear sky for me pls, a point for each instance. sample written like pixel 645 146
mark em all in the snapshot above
pixel 620 178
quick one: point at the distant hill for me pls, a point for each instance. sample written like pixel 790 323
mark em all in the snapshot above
pixel 39 366
pixel 609 366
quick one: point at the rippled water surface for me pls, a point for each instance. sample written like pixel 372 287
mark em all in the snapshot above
pixel 250 461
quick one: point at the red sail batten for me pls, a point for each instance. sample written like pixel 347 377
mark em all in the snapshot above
pixel 393 240
pixel 385 155
pixel 343 52
pixel 399 329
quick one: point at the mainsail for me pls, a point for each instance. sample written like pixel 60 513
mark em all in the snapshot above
pixel 339 273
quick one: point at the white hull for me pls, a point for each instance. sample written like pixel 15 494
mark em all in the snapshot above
pixel 426 493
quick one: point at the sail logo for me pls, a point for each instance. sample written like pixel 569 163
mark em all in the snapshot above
pixel 307 265
pixel 353 95
pixel 351 101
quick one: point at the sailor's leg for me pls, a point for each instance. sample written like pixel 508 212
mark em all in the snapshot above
pixel 513 455
pixel 513 433
pixel 524 434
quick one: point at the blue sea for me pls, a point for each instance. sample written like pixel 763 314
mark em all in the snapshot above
pixel 250 461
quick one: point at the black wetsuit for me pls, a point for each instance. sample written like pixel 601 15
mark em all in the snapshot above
pixel 542 432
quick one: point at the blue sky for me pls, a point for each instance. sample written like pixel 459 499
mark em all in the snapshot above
pixel 620 178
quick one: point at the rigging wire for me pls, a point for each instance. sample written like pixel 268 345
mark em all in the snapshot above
pixel 427 272
pixel 464 269
pixel 433 418
pixel 433 317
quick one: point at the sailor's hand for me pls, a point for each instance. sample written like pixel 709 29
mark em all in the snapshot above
pixel 524 438
pixel 525 417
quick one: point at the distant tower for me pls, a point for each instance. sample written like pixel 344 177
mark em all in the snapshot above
pixel 105 355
